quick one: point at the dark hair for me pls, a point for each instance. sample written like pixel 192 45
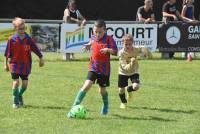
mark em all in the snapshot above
pixel 71 1
pixel 100 23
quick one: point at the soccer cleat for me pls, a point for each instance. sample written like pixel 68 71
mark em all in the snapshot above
pixel 15 106
pixel 104 110
pixel 69 115
pixel 123 105
pixel 129 96
pixel 15 102
pixel 21 102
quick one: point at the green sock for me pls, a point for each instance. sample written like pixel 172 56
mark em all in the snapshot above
pixel 79 97
pixel 105 99
pixel 21 91
pixel 15 96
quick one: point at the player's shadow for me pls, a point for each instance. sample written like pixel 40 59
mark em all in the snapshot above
pixel 166 110
pixel 117 116
pixel 196 90
pixel 148 118
pixel 45 107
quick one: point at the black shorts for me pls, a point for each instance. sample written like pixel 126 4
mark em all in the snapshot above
pixel 101 79
pixel 123 80
pixel 16 76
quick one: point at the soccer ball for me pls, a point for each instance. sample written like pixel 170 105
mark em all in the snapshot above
pixel 78 111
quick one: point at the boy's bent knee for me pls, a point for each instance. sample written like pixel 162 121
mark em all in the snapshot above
pixel 135 86
pixel 15 84
pixel 102 90
pixel 87 85
pixel 24 84
pixel 121 90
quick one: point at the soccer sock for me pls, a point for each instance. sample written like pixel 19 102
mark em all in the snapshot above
pixel 79 97
pixel 21 91
pixel 105 99
pixel 123 98
pixel 130 89
pixel 15 96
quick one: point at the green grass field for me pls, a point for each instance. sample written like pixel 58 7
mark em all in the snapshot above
pixel 168 101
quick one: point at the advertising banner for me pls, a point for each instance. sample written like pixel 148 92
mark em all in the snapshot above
pixel 179 37
pixel 46 36
pixel 73 36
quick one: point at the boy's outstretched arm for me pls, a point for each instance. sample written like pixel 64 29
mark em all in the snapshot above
pixel 5 66
pixel 86 47
pixel 36 50
pixel 7 55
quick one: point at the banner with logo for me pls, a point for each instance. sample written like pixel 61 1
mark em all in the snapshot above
pixel 73 36
pixel 179 37
pixel 45 35
pixel 6 30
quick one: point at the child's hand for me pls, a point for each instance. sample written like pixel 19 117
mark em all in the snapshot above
pixel 193 21
pixel 41 62
pixel 86 47
pixel 132 59
pixel 83 23
pixel 105 50
pixel 175 18
pixel 6 67
pixel 147 20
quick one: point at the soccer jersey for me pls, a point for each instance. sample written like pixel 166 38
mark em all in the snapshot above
pixel 19 52
pixel 99 62
pixel 126 67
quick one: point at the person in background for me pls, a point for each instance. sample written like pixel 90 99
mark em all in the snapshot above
pixel 188 11
pixel 188 14
pixel 72 15
pixel 170 13
pixel 145 13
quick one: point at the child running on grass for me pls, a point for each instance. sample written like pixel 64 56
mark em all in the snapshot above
pixel 18 60
pixel 128 69
pixel 102 46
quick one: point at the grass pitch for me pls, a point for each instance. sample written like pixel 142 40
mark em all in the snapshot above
pixel 167 102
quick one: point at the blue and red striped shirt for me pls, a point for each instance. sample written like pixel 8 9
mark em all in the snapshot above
pixel 19 52
pixel 99 62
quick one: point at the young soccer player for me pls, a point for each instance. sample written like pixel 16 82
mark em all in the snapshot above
pixel 128 69
pixel 18 60
pixel 102 46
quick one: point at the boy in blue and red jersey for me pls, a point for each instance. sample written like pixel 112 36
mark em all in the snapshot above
pixel 18 56
pixel 102 46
